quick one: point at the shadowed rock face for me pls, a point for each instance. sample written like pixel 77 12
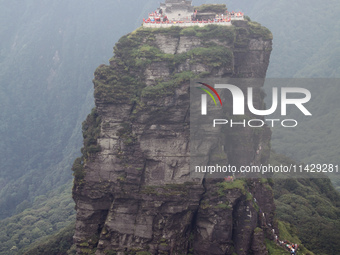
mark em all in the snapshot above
pixel 134 195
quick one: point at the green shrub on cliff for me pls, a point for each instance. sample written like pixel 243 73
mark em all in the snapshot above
pixel 209 32
pixel 274 249
pixel 91 132
pixel 112 85
pixel 213 56
pixel 216 8
pixel 167 88
pixel 256 29
pixel 224 186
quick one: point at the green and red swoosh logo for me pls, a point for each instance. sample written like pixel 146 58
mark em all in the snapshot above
pixel 209 93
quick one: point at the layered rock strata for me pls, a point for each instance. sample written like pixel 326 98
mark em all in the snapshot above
pixel 133 190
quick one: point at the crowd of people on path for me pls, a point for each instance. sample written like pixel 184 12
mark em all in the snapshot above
pixel 289 246
pixel 228 16
pixel 159 16
pixel 156 16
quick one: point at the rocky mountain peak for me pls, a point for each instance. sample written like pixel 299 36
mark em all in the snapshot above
pixel 133 190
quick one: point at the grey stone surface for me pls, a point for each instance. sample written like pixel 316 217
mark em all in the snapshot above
pixel 178 9
pixel 140 196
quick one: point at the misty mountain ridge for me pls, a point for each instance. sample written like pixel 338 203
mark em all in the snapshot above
pixel 49 52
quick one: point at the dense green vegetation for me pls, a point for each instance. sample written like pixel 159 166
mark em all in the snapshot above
pixel 59 243
pixel 316 215
pixel 312 207
pixel 289 233
pixel 49 214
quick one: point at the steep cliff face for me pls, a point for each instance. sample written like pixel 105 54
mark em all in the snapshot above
pixel 133 190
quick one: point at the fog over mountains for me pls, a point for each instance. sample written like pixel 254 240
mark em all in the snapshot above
pixel 50 49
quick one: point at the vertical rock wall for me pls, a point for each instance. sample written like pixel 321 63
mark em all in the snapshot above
pixel 133 190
